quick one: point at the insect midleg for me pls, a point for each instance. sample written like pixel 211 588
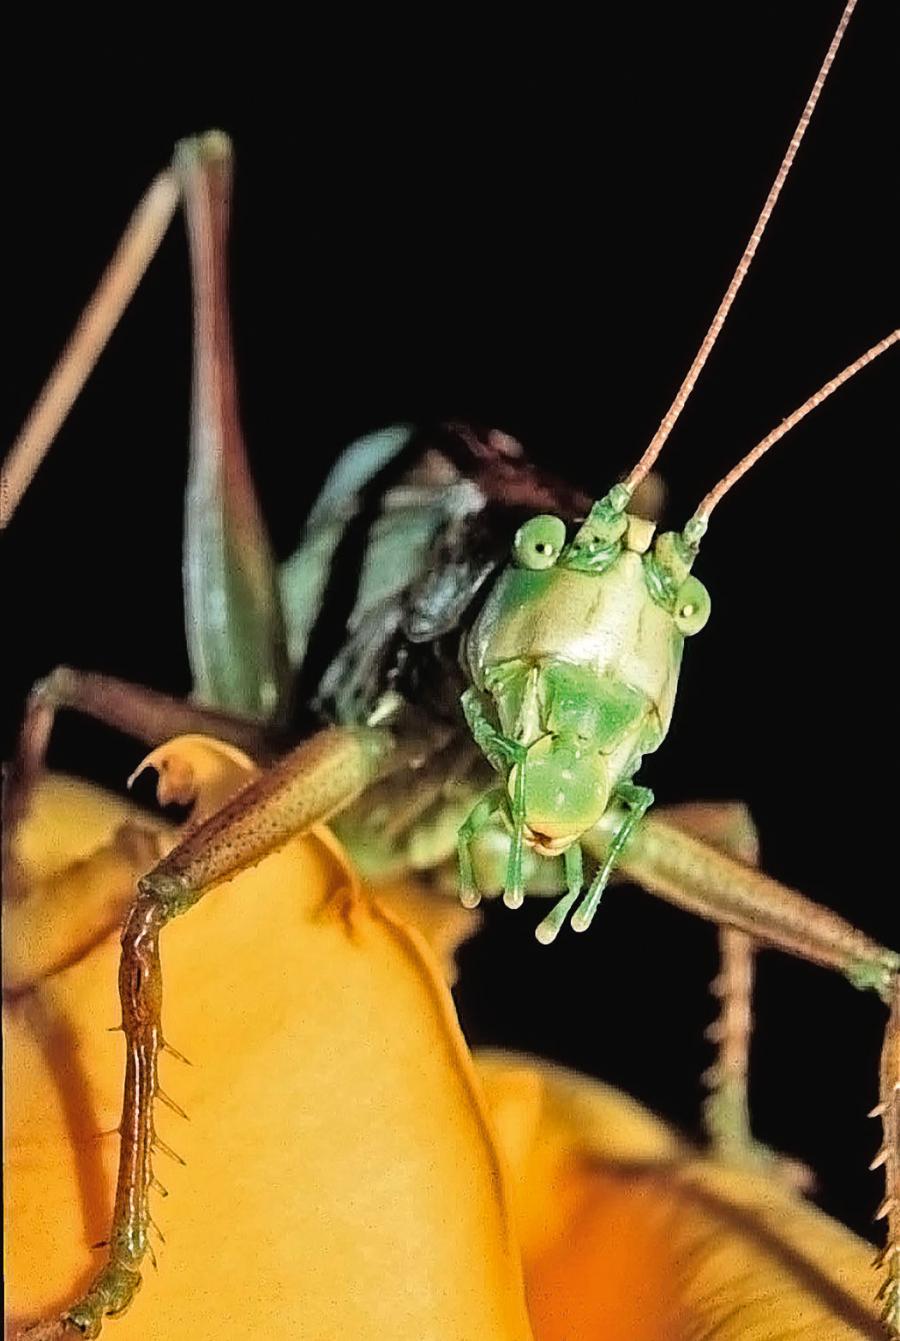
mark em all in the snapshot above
pixel 149 716
pixel 321 776
pixel 729 826
pixel 146 714
pixel 726 1111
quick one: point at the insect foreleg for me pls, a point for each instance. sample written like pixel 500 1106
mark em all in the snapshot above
pixel 480 817
pixel 320 777
pixel 149 716
pixel 146 714
pixel 502 754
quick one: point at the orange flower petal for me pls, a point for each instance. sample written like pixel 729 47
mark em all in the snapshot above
pixel 82 850
pixel 341 1177
pixel 629 1235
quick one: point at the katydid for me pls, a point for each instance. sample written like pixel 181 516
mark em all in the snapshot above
pixel 494 691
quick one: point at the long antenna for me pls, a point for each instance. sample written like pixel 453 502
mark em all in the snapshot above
pixel 138 245
pixel 718 321
pixel 701 517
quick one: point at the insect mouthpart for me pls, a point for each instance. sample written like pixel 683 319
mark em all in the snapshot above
pixel 566 792
pixel 544 844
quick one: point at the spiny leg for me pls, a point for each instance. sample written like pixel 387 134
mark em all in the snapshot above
pixel 888 1110
pixel 726 1112
pixel 322 776
pixel 689 873
pixel 728 826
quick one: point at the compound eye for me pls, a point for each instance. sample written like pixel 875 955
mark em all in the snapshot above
pixel 692 607
pixel 538 543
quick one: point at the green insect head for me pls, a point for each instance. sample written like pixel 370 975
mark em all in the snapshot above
pixel 608 531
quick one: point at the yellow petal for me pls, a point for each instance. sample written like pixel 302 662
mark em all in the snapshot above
pixel 341 1178
pixel 629 1235
pixel 197 771
pixel 443 922
pixel 81 850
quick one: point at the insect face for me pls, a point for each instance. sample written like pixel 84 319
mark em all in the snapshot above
pixel 575 659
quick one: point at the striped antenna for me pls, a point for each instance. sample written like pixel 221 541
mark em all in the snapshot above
pixel 698 523
pixel 718 321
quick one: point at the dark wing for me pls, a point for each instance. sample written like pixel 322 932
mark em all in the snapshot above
pixel 409 527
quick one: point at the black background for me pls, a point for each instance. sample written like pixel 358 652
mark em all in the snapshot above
pixel 531 230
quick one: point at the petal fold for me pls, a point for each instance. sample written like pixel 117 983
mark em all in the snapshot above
pixel 628 1234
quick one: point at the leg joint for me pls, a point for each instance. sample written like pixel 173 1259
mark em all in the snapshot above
pixel 169 892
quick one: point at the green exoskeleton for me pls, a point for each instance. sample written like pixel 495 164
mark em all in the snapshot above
pixel 574 662
pixel 509 654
